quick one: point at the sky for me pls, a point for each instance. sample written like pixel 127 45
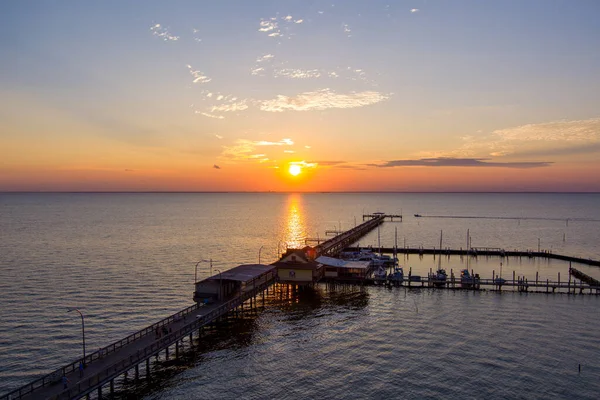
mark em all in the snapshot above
pixel 418 95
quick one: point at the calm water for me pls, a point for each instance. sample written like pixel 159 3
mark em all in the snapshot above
pixel 127 260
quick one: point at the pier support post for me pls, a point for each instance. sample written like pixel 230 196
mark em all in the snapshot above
pixel 137 372
pixel 148 369
pixel 99 392
pixel 112 388
pixel 167 353
pixel 177 349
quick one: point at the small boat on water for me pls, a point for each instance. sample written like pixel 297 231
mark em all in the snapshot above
pixel 379 275
pixel 466 280
pixel 440 276
pixel 396 277
pixel 418 215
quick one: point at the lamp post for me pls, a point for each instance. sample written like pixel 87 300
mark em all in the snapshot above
pixel 220 282
pixel 196 269
pixel 259 250
pixel 82 332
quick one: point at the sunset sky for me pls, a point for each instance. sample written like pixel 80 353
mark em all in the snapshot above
pixel 418 95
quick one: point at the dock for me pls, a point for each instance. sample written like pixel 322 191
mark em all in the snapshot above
pixel 215 296
pixel 239 287
pixel 484 251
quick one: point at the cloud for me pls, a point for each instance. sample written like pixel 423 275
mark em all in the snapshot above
pixel 414 10
pixel 548 138
pixel 297 73
pixel 299 21
pixel 328 163
pixel 218 136
pixel 282 142
pixel 569 131
pixel 267 25
pixel 239 106
pixel 216 166
pixel 163 33
pixel 266 57
pixel 243 149
pixel 257 71
pixel 288 18
pixel 321 100
pixel 199 77
pixel 459 162
pixel 209 115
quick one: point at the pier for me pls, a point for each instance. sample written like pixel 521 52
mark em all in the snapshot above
pixel 215 297
pixel 234 289
pixel 485 251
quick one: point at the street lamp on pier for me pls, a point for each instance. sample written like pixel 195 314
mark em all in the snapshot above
pixel 82 332
pixel 196 269
pixel 259 250
pixel 220 282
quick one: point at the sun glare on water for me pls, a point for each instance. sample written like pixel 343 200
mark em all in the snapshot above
pixel 295 169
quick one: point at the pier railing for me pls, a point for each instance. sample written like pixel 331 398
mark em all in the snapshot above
pixel 56 375
pixel 116 369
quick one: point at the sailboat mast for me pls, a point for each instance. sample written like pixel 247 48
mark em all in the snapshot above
pixel 440 258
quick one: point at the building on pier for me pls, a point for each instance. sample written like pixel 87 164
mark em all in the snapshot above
pixel 296 267
pixel 336 268
pixel 233 282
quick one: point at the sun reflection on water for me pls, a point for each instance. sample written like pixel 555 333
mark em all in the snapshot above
pixel 295 231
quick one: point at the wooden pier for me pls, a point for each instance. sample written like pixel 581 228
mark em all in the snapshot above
pixel 386 217
pixel 105 365
pixel 485 252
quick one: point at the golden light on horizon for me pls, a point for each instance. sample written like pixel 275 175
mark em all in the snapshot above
pixel 295 169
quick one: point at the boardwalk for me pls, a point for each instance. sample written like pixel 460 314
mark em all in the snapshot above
pixel 118 358
pixel 103 366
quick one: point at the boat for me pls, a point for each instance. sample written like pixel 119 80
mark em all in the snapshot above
pixel 440 276
pixel 379 275
pixel 396 277
pixel 466 280
pixel 418 215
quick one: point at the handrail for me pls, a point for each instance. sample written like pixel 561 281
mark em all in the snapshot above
pixel 55 375
pixel 125 364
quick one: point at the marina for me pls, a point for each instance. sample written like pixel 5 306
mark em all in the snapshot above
pixel 242 287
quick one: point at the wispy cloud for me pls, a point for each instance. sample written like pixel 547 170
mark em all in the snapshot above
pixel 549 138
pixel 199 77
pixel 218 136
pixel 244 149
pixel 322 100
pixel 159 31
pixel 266 57
pixel 257 71
pixel 216 166
pixel 459 162
pixel 297 73
pixel 347 30
pixel 268 25
pixel 239 106
pixel 209 115
pixel 568 131
pixel 414 10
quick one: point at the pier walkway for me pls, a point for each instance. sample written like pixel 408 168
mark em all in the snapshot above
pixel 116 359
pixel 104 365
pixel 488 251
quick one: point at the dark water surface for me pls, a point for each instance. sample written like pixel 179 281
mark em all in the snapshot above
pixel 127 260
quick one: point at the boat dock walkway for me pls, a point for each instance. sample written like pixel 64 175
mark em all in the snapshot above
pixel 484 251
pixel 106 364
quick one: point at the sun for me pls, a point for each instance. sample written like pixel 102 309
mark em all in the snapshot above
pixel 295 169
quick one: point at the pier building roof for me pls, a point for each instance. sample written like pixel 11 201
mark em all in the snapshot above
pixel 243 273
pixel 339 263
